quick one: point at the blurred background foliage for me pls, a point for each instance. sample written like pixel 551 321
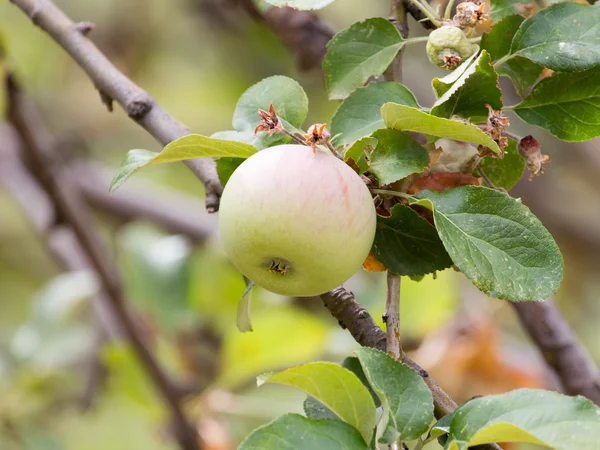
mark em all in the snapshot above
pixel 64 385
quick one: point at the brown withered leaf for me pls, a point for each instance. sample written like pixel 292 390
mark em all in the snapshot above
pixel 495 126
pixel 372 264
pixel 442 181
pixel 269 121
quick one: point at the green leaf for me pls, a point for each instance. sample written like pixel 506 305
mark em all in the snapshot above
pixel 288 99
pixel 364 50
pixel 503 8
pixel 442 426
pixel 360 114
pixel 241 136
pixel 352 363
pixel 316 410
pixel 188 147
pixel 301 4
pixel 226 167
pixel 294 432
pixel 403 392
pixel 244 319
pixel 396 156
pixel 506 171
pixel 336 388
pixel 521 71
pixel 409 245
pixel 360 153
pixel 441 85
pixel 534 416
pixel 497 243
pixel 563 37
pixel 566 104
pixel 411 119
pixel 467 96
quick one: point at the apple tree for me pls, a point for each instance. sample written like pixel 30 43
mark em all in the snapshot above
pixel 414 190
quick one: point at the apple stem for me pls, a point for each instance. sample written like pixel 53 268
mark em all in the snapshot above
pixel 391 316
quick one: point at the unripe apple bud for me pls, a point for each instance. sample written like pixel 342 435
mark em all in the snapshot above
pixel 448 46
pixel 295 222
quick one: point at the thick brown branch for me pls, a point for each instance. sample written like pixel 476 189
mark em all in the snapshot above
pixel 72 213
pixel 352 316
pixel 562 351
pixel 113 85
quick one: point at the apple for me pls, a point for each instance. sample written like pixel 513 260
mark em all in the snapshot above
pixel 448 46
pixel 296 222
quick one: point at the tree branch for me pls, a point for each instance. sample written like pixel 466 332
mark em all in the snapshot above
pixel 352 316
pixel 562 351
pixel 392 316
pixel 176 213
pixel 301 31
pixel 72 213
pixel 114 86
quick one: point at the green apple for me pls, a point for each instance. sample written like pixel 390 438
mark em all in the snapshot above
pixel 296 222
pixel 446 43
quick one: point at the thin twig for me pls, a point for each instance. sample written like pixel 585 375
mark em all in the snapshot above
pixel 392 193
pixel 562 351
pixel 294 137
pixel 487 181
pixel 113 85
pixel 392 316
pixel 39 148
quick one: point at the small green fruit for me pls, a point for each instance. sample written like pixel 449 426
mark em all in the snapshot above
pixel 295 222
pixel 448 46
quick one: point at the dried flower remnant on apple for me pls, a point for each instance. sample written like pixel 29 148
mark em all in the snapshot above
pixel 470 15
pixel 317 134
